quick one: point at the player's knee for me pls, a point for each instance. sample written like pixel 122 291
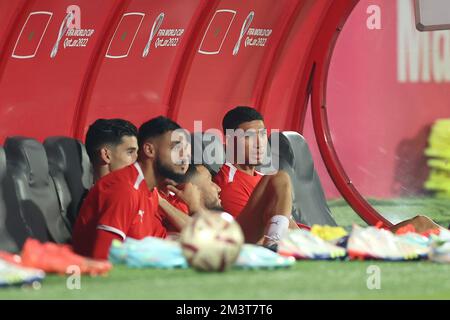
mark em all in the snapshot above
pixel 420 219
pixel 280 182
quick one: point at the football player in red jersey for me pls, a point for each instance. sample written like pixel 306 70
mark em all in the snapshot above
pixel 111 144
pixel 124 203
pixel 255 219
pixel 244 191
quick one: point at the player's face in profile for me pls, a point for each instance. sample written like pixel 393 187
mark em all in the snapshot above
pixel 208 189
pixel 254 141
pixel 173 155
pixel 123 154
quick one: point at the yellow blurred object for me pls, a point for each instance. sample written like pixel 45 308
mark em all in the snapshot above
pixel 439 140
pixel 438 180
pixel 328 233
pixel 439 163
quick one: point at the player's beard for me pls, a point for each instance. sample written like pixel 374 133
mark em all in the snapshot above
pixel 166 172
pixel 215 206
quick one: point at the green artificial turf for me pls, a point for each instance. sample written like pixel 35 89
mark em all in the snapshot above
pixel 305 280
pixel 395 210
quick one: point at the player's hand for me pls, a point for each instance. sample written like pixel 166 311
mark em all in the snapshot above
pixel 160 199
pixel 169 182
pixel 189 193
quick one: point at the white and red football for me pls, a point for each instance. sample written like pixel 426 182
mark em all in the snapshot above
pixel 212 241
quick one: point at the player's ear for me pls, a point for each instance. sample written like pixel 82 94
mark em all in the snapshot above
pixel 149 149
pixel 105 155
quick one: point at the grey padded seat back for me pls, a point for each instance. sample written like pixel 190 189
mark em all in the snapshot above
pixel 282 159
pixel 308 196
pixel 71 171
pixel 35 190
pixel 13 231
pixel 207 149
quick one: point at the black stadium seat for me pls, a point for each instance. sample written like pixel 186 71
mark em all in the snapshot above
pixel 71 171
pixel 13 231
pixel 35 190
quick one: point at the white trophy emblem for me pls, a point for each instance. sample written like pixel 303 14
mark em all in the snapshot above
pixel 156 25
pixel 244 29
pixel 62 31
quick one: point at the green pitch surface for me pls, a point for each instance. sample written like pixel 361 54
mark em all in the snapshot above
pixel 306 280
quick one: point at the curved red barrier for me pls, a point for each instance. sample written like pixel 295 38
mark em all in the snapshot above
pixel 321 56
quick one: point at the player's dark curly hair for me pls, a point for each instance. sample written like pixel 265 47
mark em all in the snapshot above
pixel 107 132
pixel 156 127
pixel 239 115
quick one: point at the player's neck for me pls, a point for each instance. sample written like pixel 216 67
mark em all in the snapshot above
pixel 162 189
pixel 149 174
pixel 248 169
pixel 100 172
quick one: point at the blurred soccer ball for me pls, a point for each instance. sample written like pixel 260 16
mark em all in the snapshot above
pixel 212 241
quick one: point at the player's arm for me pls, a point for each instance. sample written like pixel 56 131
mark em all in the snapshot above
pixel 176 217
pixel 189 194
pixel 116 217
pixel 103 240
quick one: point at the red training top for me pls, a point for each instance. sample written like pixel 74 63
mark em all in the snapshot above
pixel 236 187
pixel 177 203
pixel 120 205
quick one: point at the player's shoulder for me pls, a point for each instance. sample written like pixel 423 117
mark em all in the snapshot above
pixel 126 180
pixel 174 201
pixel 259 173
pixel 226 174
pixel 223 170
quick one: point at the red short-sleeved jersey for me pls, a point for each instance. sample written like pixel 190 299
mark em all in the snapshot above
pixel 121 203
pixel 236 187
pixel 177 203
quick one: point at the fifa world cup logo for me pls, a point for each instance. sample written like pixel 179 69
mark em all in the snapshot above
pixel 156 25
pixel 244 29
pixel 62 31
